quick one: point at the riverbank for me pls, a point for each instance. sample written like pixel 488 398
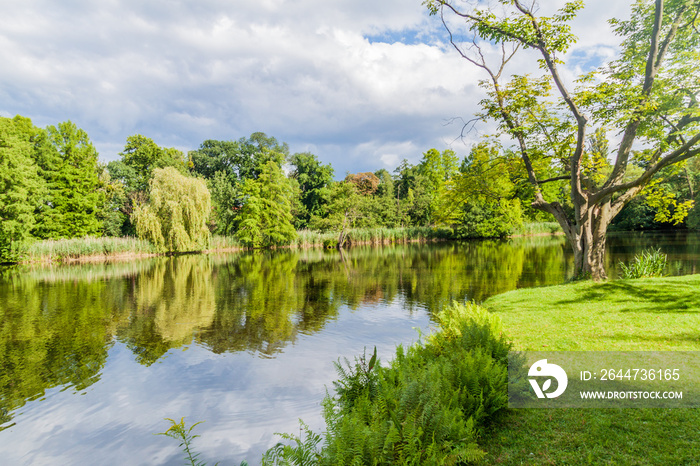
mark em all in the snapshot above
pixel 661 314
pixel 85 250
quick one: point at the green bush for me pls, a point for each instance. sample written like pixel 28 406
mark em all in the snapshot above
pixel 649 263
pixel 427 407
pixel 495 219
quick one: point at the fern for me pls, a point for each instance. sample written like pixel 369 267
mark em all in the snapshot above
pixel 427 407
pixel 303 451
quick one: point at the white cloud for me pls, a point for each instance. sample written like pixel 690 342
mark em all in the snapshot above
pixel 303 71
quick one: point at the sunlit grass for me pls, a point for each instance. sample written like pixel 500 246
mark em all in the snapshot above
pixel 661 314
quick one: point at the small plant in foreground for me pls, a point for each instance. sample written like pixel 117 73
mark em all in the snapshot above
pixel 649 263
pixel 428 406
pixel 179 431
pixel 304 452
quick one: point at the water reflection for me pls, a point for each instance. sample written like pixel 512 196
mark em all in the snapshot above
pixel 57 324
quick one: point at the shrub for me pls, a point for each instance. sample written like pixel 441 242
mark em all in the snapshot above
pixel 427 407
pixel 649 263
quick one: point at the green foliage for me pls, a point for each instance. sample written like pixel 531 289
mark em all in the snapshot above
pixel 427 407
pixel 314 181
pixel 414 195
pixel 266 217
pixel 494 219
pixel 180 432
pixel 303 451
pixel 142 156
pixel 693 220
pixel 68 162
pixel 438 168
pixel 537 228
pixel 342 212
pixel 355 381
pixel 130 177
pixel 225 203
pixel 649 263
pixel 237 160
pixel 20 185
pixel 479 200
pixel 174 219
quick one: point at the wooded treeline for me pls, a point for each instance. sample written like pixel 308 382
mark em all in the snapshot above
pixel 53 186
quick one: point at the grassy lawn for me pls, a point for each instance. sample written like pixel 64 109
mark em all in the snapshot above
pixel 661 314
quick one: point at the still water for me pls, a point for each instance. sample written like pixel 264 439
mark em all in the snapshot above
pixel 93 357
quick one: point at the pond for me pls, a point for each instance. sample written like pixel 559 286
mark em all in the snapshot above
pixel 94 357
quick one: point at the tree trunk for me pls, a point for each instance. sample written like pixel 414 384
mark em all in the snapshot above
pixel 587 238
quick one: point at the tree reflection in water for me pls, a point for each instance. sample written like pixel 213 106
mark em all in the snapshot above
pixel 57 323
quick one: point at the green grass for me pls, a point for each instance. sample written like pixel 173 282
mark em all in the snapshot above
pixel 645 314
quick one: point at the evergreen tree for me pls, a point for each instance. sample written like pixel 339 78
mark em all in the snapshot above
pixel 266 215
pixel 20 184
pixel 68 162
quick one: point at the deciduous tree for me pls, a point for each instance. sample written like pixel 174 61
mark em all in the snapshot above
pixel 314 181
pixel 649 95
pixel 175 216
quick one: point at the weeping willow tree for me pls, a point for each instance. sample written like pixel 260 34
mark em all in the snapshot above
pixel 174 218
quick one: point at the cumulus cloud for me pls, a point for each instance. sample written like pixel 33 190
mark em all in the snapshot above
pixel 358 82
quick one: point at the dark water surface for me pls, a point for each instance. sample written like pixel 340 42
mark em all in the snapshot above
pixel 93 357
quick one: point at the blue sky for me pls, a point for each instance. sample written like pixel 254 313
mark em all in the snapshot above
pixel 359 83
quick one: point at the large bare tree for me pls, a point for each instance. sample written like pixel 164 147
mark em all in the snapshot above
pixel 648 97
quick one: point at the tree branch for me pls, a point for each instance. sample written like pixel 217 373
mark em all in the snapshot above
pixel 684 152
pixel 556 178
pixel 654 59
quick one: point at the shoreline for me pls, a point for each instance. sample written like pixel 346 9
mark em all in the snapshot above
pixel 129 256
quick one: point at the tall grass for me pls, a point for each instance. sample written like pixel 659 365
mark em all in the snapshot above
pixel 383 235
pixel 68 249
pixel 64 249
pixel 537 228
pixel 649 263
pixel 380 235
pixel 224 242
